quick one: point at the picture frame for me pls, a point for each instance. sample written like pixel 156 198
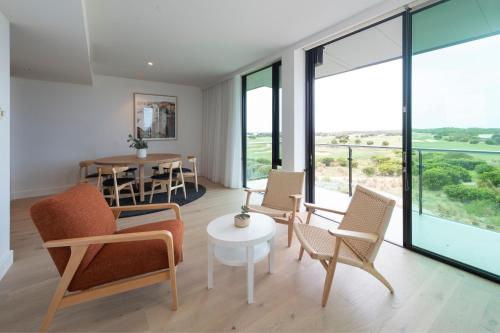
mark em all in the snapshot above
pixel 155 117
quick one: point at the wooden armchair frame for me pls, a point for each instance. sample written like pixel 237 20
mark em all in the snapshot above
pixel 61 299
pixel 342 236
pixel 288 220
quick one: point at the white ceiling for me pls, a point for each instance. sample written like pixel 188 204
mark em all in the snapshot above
pixel 48 40
pixel 380 43
pixel 191 42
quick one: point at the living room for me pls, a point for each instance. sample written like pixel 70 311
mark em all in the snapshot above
pixel 204 166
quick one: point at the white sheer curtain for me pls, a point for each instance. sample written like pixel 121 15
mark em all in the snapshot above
pixel 221 146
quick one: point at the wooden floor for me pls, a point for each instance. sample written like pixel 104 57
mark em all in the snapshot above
pixel 429 296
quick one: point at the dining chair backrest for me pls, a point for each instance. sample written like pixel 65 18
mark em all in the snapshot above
pixel 84 167
pixel 192 160
pixel 170 167
pixel 109 170
pixel 368 212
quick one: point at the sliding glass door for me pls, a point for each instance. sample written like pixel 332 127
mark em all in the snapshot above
pixel 261 124
pixel 358 119
pixel 455 136
pixel 410 107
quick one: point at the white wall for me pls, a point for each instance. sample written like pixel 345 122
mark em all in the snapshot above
pixel 55 125
pixel 5 252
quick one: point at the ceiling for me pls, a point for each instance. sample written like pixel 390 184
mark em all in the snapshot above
pixel 193 42
pixel 377 44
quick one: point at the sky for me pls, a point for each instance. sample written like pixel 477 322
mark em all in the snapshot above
pixel 457 86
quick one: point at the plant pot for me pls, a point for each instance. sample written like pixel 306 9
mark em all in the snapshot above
pixel 142 153
pixel 241 221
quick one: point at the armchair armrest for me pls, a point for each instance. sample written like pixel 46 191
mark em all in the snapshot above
pixel 249 192
pixel 355 235
pixel 175 207
pixel 114 238
pixel 316 207
pixel 296 196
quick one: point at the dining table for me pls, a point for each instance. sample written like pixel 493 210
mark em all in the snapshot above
pixel 150 159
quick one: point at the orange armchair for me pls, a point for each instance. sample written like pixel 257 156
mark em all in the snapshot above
pixel 95 259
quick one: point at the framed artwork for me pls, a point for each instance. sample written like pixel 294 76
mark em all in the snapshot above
pixel 155 117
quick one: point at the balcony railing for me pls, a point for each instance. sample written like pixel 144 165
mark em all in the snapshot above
pixel 420 162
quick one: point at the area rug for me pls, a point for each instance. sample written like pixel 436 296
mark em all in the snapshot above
pixel 191 195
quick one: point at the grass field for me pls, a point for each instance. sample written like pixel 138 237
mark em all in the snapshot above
pixel 380 168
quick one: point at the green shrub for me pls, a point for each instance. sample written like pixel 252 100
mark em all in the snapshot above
pixel 263 161
pixel 355 164
pixel 389 169
pixel 474 141
pixel 436 178
pixel 465 193
pixel 327 161
pixel 385 143
pixel 369 142
pixel 438 136
pixel 357 141
pixel 491 177
pixel 483 167
pixel 342 161
pixel 490 142
pixel 334 142
pixel 378 159
pixel 468 164
pixel 369 171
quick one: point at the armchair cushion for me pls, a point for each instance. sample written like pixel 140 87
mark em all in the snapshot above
pixel 117 261
pixel 79 212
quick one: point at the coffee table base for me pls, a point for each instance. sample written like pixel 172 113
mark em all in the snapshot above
pixel 240 256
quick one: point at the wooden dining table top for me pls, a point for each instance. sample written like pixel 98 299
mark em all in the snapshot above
pixel 133 159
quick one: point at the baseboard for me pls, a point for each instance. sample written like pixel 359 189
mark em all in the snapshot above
pixel 6 261
pixel 39 192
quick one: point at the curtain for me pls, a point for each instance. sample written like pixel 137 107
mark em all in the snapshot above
pixel 221 146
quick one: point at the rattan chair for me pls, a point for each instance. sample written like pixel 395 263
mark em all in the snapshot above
pixel 355 242
pixel 281 198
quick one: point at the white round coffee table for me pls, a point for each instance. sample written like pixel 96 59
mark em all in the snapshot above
pixel 234 246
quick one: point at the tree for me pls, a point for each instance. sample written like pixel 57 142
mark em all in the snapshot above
pixel 385 143
pixel 369 142
pixel 357 141
pixel 369 171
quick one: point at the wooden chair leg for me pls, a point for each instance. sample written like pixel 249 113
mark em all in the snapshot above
pixel 76 257
pixel 371 269
pixel 290 232
pixel 184 189
pixel 117 197
pixel 330 272
pixel 196 182
pixel 176 184
pixel 132 193
pixel 173 286
pixel 301 253
pixel 169 190
pixel 153 185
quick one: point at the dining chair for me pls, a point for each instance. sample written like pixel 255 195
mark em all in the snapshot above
pixel 167 174
pixel 281 198
pixel 85 175
pixel 355 242
pixel 95 259
pixel 188 173
pixel 108 178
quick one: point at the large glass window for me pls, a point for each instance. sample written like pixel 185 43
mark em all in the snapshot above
pixel 456 132
pixel 358 119
pixel 261 124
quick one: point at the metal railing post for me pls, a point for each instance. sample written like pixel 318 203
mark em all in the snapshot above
pixel 420 178
pixel 349 159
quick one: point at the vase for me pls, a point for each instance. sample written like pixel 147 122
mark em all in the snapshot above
pixel 241 221
pixel 142 153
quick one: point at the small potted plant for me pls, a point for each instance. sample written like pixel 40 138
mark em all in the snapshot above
pixel 242 220
pixel 140 145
